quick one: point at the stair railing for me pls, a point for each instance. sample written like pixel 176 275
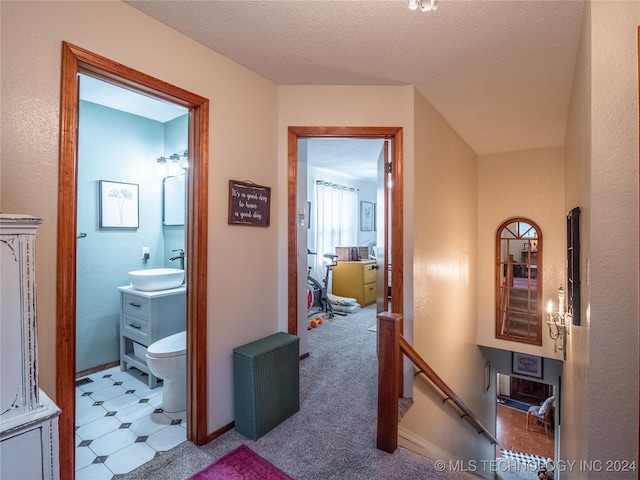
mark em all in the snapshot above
pixel 391 346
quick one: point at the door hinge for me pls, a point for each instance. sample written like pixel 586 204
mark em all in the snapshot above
pixel 387 167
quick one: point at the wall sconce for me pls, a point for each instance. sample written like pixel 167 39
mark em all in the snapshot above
pixel 558 323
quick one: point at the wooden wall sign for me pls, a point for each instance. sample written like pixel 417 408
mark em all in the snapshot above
pixel 249 204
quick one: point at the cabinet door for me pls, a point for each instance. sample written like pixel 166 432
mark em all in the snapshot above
pixel 18 354
pixel 22 456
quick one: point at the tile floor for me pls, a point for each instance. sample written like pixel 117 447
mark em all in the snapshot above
pixel 120 424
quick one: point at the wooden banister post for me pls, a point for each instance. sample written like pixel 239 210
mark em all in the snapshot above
pixel 389 365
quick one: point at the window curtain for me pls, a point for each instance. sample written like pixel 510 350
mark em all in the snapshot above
pixel 336 222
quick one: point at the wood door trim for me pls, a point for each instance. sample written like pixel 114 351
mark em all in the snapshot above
pixel 76 60
pixel 395 134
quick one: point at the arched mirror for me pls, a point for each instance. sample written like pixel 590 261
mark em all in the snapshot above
pixel 519 281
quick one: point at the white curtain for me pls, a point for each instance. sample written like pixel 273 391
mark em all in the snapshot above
pixel 336 222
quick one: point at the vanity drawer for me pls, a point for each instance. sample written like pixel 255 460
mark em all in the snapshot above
pixel 136 328
pixel 135 304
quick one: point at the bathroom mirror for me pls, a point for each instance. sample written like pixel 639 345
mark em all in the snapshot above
pixel 173 200
pixel 518 281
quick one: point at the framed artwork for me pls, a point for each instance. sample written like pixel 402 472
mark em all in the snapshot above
pixel 366 216
pixel 118 205
pixel 487 376
pixel 375 217
pixel 573 264
pixel 529 365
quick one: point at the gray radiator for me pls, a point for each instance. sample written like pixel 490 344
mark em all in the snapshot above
pixel 266 383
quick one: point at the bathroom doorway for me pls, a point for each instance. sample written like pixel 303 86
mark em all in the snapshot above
pixel 76 61
pixel 132 165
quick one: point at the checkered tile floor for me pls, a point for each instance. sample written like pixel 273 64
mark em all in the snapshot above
pixel 533 462
pixel 120 424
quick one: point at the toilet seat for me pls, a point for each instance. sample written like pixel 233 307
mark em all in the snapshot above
pixel 170 346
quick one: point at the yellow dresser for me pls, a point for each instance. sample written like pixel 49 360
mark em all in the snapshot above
pixel 355 280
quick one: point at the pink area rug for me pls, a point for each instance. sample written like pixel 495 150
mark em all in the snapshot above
pixel 241 463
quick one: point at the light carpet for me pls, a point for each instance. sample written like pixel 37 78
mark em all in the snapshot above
pixel 333 436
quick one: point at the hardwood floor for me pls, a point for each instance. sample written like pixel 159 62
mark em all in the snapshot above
pixel 512 434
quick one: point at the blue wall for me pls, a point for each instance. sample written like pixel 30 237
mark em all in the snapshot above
pixel 117 147
pixel 175 141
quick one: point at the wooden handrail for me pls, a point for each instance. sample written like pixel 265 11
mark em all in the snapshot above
pixel 447 393
pixel 391 346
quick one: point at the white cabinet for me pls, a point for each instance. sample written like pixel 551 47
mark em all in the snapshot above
pixel 29 443
pixel 28 418
pixel 146 317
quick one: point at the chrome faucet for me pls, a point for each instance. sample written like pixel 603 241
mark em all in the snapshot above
pixel 180 256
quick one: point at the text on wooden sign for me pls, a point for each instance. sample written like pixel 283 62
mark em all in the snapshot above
pixel 249 204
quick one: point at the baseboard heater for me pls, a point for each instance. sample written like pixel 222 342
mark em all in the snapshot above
pixel 266 383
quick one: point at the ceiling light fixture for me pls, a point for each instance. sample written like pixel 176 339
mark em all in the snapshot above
pixel 424 5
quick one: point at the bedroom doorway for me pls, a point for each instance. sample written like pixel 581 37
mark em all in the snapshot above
pixel 391 206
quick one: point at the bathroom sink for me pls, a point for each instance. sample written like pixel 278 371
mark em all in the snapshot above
pixel 156 279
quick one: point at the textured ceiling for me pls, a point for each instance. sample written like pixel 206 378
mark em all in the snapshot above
pixel 500 72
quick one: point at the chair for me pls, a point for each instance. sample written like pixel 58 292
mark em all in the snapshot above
pixel 542 415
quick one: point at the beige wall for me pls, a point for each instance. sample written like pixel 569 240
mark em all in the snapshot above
pixel 242 105
pixel 445 263
pixel 602 370
pixel 574 408
pixel 529 184
pixel 601 375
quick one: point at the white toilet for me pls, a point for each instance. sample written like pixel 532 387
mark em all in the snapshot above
pixel 167 359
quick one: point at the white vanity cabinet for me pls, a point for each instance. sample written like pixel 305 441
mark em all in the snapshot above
pixel 146 317
pixel 28 418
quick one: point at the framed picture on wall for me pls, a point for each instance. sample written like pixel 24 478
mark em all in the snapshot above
pixel 366 216
pixel 529 365
pixel 375 217
pixel 487 376
pixel 118 204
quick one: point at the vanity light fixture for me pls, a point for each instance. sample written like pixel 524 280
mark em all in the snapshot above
pixel 162 166
pixel 424 5
pixel 174 167
pixel 558 323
